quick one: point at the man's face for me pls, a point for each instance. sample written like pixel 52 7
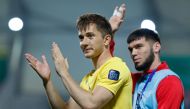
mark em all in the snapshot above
pixel 91 41
pixel 142 53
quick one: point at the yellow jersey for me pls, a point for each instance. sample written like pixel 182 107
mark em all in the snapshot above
pixel 115 76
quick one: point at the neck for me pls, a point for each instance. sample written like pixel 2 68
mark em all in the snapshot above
pixel 101 59
pixel 155 63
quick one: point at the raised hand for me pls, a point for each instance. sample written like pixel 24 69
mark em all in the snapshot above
pixel 117 18
pixel 61 63
pixel 42 68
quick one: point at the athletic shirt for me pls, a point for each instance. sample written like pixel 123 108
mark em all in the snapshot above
pixel 115 76
pixel 164 91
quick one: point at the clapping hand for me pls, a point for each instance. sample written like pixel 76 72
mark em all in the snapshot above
pixel 60 62
pixel 42 68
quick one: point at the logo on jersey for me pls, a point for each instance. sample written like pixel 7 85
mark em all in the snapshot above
pixel 113 75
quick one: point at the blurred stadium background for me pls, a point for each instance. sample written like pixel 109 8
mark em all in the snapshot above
pixel 46 21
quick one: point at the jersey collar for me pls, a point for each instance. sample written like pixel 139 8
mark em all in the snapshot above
pixel 162 66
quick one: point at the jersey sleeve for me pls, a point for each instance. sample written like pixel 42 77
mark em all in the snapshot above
pixel 113 78
pixel 170 93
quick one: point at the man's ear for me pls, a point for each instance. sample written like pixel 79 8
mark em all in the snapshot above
pixel 107 40
pixel 156 47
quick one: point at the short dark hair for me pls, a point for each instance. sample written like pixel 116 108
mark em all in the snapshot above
pixel 143 32
pixel 101 23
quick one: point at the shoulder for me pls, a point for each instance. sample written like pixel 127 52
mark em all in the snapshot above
pixel 115 66
pixel 170 91
pixel 170 82
pixel 119 65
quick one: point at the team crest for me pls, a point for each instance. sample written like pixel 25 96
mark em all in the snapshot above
pixel 113 75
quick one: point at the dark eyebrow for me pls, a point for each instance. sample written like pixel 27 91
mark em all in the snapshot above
pixel 90 33
pixel 139 45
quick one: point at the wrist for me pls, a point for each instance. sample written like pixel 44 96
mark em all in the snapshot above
pixel 65 75
pixel 47 82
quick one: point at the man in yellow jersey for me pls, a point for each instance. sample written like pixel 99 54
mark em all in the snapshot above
pixel 108 86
